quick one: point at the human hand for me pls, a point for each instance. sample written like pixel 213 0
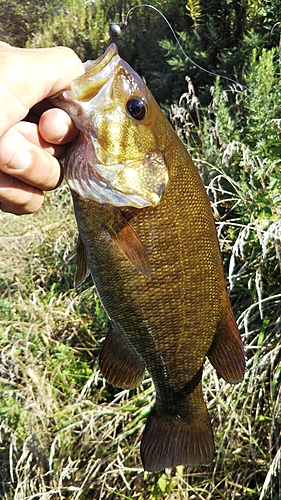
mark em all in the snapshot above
pixel 33 135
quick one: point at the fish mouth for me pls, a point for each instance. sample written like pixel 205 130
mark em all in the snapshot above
pixel 86 86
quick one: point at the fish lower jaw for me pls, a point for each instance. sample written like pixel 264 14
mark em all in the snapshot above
pixel 104 193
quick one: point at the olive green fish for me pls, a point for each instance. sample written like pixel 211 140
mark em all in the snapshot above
pixel 147 234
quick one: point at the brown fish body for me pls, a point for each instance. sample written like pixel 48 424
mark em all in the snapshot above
pixel 173 313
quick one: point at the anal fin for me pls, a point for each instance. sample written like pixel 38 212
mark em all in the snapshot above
pixel 227 353
pixel 119 363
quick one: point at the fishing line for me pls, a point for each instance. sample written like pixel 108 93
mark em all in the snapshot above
pixel 115 31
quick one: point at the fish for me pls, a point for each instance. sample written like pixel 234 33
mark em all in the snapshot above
pixel 148 237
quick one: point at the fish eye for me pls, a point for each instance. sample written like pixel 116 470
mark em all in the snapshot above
pixel 136 108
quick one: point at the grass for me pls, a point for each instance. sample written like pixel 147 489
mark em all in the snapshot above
pixel 67 434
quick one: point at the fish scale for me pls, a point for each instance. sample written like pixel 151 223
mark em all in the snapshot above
pixel 155 261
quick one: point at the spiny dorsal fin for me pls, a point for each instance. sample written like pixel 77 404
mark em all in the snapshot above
pixel 128 242
pixel 82 269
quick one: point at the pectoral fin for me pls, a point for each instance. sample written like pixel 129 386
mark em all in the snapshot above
pixel 82 269
pixel 128 242
pixel 227 353
pixel 119 363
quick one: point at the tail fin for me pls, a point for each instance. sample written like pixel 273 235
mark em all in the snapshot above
pixel 170 440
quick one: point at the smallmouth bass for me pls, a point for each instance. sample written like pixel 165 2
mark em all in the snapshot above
pixel 147 233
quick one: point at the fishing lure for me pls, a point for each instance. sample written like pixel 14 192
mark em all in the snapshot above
pixel 115 31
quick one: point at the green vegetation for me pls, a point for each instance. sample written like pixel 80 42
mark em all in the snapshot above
pixel 64 432
pixel 219 35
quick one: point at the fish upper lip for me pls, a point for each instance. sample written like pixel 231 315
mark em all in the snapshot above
pixel 86 86
pixel 94 67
